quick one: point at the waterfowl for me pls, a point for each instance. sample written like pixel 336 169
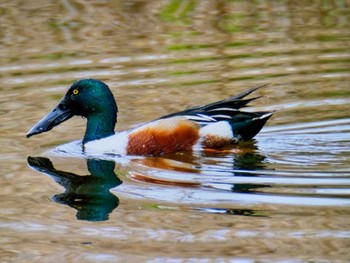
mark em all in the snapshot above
pixel 210 126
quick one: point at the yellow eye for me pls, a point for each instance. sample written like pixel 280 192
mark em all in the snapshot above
pixel 75 92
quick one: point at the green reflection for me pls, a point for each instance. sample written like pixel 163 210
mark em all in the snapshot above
pixel 177 11
pixel 89 194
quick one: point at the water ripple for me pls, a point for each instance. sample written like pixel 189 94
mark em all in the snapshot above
pixel 281 157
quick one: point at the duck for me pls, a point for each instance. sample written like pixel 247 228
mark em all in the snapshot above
pixel 210 126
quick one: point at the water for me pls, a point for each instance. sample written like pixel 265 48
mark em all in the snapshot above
pixel 282 197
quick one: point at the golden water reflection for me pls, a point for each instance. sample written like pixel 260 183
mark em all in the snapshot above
pixel 159 57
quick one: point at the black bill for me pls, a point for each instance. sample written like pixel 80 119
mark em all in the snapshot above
pixel 58 115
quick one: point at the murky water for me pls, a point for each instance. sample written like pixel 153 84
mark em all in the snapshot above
pixel 284 196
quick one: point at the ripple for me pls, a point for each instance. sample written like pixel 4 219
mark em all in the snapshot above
pixel 281 156
pixel 208 197
pixel 287 189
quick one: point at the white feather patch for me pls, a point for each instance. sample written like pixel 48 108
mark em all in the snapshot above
pixel 115 144
pixel 223 109
pixel 221 116
pixel 263 116
pixel 199 117
pixel 221 129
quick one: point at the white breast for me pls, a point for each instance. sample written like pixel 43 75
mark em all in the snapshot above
pixel 115 144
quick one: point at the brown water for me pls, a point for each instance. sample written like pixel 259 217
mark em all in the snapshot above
pixel 284 196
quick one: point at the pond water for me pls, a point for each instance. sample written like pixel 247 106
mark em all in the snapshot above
pixel 284 196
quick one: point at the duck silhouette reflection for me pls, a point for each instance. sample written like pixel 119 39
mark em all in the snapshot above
pixel 244 163
pixel 90 195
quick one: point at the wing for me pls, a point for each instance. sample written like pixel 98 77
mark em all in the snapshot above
pixel 223 110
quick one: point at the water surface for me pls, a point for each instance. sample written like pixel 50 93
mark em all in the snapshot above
pixel 283 196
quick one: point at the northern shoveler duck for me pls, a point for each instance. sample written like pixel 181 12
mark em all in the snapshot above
pixel 210 126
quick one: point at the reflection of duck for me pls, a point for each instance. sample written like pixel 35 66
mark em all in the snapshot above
pixel 210 126
pixel 244 161
pixel 90 194
pixel 249 160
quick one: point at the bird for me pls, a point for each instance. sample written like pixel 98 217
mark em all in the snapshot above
pixel 210 126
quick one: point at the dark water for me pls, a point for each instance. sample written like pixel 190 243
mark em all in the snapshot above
pixel 284 196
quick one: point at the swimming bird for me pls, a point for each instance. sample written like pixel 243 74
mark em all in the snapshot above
pixel 210 126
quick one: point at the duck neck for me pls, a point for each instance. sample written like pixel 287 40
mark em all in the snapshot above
pixel 99 126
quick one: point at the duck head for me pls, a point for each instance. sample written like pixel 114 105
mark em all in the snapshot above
pixel 89 98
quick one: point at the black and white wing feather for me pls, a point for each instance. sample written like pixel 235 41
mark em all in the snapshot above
pixel 224 110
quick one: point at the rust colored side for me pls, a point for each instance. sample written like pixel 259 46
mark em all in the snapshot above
pixel 163 136
pixel 215 142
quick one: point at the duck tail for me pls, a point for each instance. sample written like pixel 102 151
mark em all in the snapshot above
pixel 249 124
